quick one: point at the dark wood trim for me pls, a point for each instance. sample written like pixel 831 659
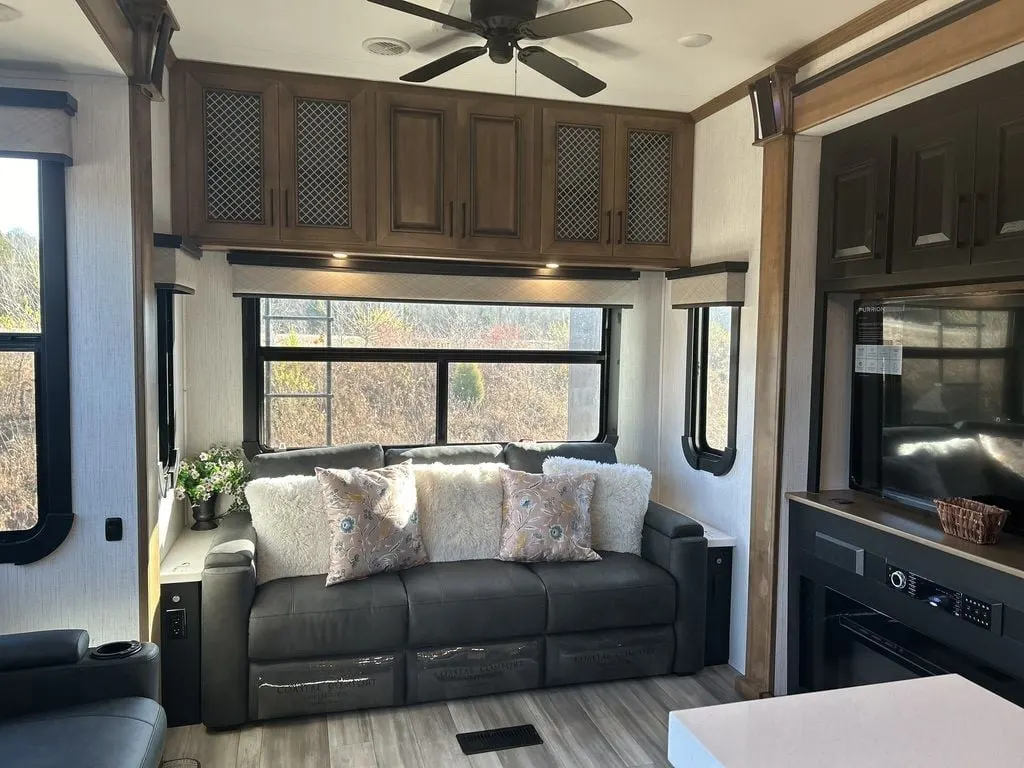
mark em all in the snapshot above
pixel 39 99
pixel 179 150
pixel 769 415
pixel 178 243
pixel 110 24
pixel 890 44
pixel 423 267
pixel 989 29
pixel 716 268
pixel 851 30
pixel 175 288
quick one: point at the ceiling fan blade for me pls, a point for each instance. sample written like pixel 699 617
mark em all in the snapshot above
pixel 561 71
pixel 435 44
pixel 428 13
pixel 583 18
pixel 444 64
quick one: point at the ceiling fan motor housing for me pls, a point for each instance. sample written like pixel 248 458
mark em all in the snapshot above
pixel 502 15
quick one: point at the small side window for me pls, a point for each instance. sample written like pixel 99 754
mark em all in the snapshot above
pixel 712 372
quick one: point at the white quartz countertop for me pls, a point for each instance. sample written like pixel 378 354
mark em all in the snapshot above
pixel 933 722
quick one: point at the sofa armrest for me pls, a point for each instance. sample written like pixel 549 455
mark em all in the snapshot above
pixel 670 523
pixel 685 557
pixel 229 587
pixel 48 648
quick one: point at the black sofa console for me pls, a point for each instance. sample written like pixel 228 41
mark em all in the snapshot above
pixel 878 592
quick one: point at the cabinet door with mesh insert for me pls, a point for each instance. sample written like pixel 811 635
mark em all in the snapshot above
pixel 232 157
pixel 325 154
pixel 578 184
pixel 653 190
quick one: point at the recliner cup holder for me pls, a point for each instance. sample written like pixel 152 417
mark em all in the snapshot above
pixel 121 649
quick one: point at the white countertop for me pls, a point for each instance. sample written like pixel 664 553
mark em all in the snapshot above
pixel 184 560
pixel 932 722
pixel 715 537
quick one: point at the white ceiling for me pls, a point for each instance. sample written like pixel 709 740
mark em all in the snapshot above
pixel 53 35
pixel 642 62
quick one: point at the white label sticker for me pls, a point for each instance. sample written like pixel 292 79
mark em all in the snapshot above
pixel 880 359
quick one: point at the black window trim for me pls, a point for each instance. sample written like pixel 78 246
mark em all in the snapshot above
pixel 695 448
pixel 53 377
pixel 167 454
pixel 255 357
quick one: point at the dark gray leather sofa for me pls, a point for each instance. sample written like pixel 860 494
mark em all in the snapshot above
pixel 58 707
pixel 444 630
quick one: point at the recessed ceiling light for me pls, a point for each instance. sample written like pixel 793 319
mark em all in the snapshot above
pixel 339 255
pixel 7 13
pixel 551 265
pixel 698 40
pixel 385 46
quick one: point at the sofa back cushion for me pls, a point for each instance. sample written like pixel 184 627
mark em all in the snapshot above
pixel 619 504
pixel 529 457
pixel 305 462
pixel 446 454
pixel 292 532
pixel 460 510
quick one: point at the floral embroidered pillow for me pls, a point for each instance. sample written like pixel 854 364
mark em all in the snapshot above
pixel 373 521
pixel 546 517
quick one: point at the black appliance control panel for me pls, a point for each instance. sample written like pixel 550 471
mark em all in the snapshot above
pixel 970 609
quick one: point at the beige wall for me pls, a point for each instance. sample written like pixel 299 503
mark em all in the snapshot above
pixel 89 582
pixel 726 226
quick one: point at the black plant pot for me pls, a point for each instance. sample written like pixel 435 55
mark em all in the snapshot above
pixel 204 513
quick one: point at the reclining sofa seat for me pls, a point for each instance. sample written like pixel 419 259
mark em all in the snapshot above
pixel 444 630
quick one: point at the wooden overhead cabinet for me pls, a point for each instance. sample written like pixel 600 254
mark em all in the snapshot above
pixel 999 211
pixel 617 188
pixel 276 161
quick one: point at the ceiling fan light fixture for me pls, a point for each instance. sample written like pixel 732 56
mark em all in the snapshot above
pixel 385 46
pixel 8 13
pixel 696 40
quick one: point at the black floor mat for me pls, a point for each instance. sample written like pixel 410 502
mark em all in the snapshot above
pixel 497 739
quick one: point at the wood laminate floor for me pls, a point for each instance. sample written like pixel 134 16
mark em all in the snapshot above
pixel 605 725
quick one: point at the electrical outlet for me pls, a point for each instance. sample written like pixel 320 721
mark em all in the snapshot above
pixel 176 627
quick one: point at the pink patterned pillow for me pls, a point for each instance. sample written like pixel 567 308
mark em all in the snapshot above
pixel 546 517
pixel 373 521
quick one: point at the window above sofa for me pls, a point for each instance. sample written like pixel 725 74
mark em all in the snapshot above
pixel 328 372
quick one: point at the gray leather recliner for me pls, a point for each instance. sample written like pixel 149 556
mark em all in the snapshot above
pixel 60 707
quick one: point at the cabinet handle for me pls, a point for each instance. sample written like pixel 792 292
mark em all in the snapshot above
pixel 451 218
pixel 287 209
pixel 961 204
pixel 621 228
pixel 463 220
pixel 980 224
pixel 609 215
pixel 271 206
pixel 879 225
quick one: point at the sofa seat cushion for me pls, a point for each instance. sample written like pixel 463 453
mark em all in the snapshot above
pixel 119 733
pixel 620 590
pixel 456 603
pixel 301 618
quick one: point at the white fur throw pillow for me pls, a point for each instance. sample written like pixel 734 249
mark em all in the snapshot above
pixel 293 535
pixel 460 510
pixel 620 501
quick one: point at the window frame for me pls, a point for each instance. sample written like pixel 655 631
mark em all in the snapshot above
pixel 255 358
pixel 167 454
pixel 52 376
pixel 696 450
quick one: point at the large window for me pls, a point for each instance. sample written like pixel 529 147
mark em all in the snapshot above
pixel 34 400
pixel 323 372
pixel 709 439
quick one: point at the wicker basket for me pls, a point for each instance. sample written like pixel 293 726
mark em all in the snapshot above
pixel 971 520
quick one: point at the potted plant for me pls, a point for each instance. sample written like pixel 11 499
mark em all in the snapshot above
pixel 204 477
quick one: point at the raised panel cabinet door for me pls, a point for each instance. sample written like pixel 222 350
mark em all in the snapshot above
pixel 653 190
pixel 416 170
pixel 999 201
pixel 498 167
pixel 232 157
pixel 934 192
pixel 326 151
pixel 855 194
pixel 578 184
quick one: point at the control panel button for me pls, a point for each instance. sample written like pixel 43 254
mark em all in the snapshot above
pixel 898 579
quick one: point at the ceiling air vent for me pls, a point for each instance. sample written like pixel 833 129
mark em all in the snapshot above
pixel 385 46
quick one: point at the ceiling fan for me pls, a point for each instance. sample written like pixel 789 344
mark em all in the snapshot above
pixel 505 23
